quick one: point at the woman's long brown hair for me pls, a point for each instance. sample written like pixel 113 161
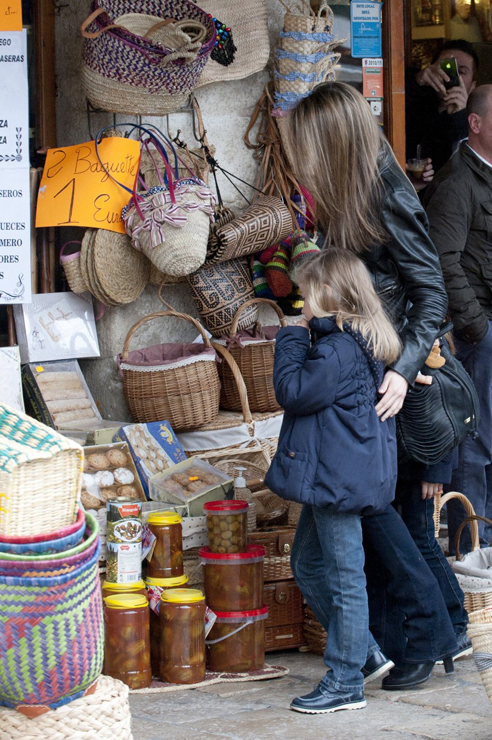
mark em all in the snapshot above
pixel 335 142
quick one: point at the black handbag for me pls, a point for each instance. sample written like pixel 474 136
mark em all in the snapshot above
pixel 435 418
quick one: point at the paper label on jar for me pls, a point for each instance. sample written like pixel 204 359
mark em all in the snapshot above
pixel 127 561
pixel 210 618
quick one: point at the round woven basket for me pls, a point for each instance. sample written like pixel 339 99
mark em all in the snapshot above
pixel 304 23
pixel 480 633
pixel 186 395
pixel 255 362
pixel 104 714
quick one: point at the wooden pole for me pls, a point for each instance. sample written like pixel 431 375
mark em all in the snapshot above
pixel 394 76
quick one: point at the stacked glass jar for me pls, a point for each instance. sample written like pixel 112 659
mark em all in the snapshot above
pixel 233 577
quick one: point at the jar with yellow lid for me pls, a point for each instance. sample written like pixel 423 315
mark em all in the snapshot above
pixel 167 557
pixel 182 628
pixel 111 589
pixel 155 587
pixel 127 646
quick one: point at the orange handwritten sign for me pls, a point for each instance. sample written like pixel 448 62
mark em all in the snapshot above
pixel 10 15
pixel 76 189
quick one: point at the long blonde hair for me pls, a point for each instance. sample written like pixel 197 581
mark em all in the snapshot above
pixel 335 143
pixel 337 283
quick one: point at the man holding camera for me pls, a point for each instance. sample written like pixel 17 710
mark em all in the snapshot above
pixel 459 207
pixel 435 113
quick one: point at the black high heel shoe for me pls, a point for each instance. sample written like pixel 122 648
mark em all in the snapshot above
pixel 409 675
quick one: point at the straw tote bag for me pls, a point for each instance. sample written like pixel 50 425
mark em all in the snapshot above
pixel 253 350
pixel 127 72
pixel 174 382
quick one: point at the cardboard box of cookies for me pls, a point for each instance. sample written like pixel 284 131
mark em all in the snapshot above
pixel 56 394
pixel 191 483
pixel 153 446
pixel 109 472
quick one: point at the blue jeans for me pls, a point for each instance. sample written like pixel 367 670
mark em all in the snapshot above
pixel 473 476
pixel 408 616
pixel 328 565
pixel 418 515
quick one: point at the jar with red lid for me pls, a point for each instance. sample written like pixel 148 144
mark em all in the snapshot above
pixel 236 642
pixel 233 581
pixel 127 646
pixel 227 526
pixel 182 625
pixel 167 557
pixel 155 588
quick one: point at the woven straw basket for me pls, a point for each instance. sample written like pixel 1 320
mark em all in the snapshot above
pixel 71 267
pixel 480 633
pixel 124 72
pixel 104 714
pixel 184 391
pixel 309 22
pixel 40 476
pixel 254 358
pixel 478 591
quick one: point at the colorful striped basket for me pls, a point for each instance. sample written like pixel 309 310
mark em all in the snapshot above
pixel 52 637
pixel 59 541
pixel 40 476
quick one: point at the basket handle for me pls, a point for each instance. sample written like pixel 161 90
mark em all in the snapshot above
pixel 190 319
pixel 164 303
pixel 440 501
pixel 324 9
pixel 238 378
pixel 73 255
pixel 95 34
pixel 251 302
pixel 471 520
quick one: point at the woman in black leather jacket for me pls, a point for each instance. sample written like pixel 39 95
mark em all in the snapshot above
pixel 365 203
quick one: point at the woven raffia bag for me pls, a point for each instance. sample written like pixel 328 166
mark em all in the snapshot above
pixel 71 266
pixel 253 351
pixel 480 633
pixel 170 223
pixel 174 382
pixel 104 714
pixel 219 290
pixel 125 72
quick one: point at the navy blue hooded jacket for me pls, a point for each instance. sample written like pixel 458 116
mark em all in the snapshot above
pixel 333 450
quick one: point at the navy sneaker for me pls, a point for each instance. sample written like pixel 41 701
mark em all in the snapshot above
pixel 323 700
pixel 376 665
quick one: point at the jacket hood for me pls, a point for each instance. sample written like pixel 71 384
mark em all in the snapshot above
pixel 323 326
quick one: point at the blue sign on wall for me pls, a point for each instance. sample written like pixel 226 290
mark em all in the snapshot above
pixel 365 21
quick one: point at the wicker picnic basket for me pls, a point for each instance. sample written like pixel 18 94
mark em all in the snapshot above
pixel 277 542
pixel 232 430
pixel 40 476
pixel 176 382
pixel 480 633
pixel 52 636
pixel 253 459
pixel 103 714
pixel 129 72
pixel 253 351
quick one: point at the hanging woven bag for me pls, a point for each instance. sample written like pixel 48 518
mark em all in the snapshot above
pixel 174 382
pixel 253 349
pixel 126 72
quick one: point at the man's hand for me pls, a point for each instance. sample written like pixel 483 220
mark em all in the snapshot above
pixel 427 176
pixel 456 98
pixel 429 490
pixel 393 390
pixel 434 77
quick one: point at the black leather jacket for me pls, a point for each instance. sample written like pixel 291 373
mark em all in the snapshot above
pixel 405 269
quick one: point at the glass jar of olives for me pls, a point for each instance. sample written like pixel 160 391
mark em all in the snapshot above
pixel 111 589
pixel 154 588
pixel 236 643
pixel 233 582
pixel 227 526
pixel 127 646
pixel 182 626
pixel 167 558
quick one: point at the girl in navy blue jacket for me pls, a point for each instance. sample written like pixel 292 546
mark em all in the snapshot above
pixel 336 457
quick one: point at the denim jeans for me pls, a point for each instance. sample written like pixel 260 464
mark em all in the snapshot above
pixel 473 476
pixel 328 565
pixel 407 613
pixel 418 515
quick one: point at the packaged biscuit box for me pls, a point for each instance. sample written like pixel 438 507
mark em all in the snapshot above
pixel 109 472
pixel 153 446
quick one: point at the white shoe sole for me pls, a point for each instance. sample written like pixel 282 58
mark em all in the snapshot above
pixel 462 654
pixel 382 671
pixel 354 705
